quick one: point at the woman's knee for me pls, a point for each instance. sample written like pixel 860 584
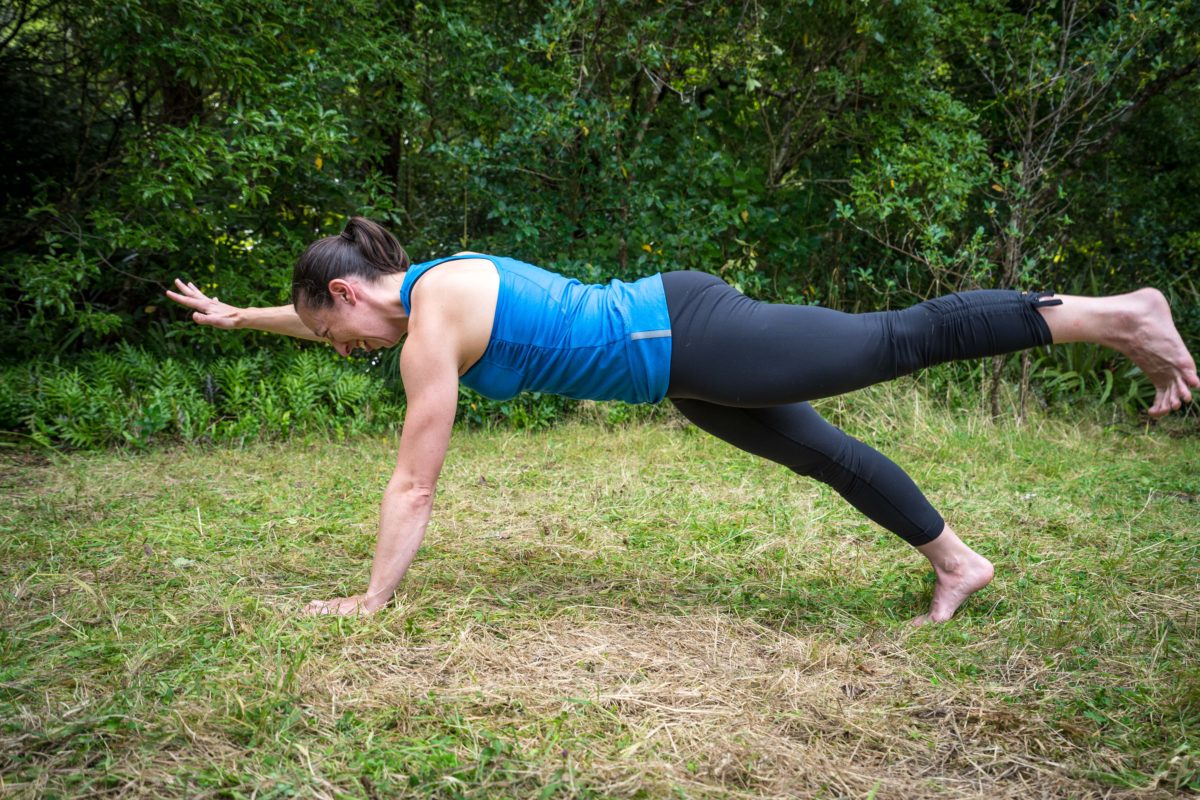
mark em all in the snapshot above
pixel 837 469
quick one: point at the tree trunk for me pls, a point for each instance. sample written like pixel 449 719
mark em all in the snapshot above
pixel 181 102
pixel 1011 253
pixel 1026 369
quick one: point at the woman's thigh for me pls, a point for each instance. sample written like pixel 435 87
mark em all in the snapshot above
pixel 793 435
pixel 729 349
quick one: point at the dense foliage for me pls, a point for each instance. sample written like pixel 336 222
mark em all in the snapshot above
pixel 857 155
pixel 130 398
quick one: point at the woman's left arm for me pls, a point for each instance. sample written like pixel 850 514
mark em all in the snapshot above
pixel 429 369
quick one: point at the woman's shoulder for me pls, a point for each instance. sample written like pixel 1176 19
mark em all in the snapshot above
pixel 466 272
pixel 461 261
pixel 462 255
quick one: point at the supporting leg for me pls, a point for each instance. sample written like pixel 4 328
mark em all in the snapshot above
pixel 960 573
pixel 797 437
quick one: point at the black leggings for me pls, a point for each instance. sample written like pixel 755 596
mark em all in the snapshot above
pixel 741 369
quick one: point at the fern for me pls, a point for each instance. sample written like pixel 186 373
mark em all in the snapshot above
pixel 127 397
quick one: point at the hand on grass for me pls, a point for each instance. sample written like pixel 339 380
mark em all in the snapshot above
pixel 343 606
pixel 209 310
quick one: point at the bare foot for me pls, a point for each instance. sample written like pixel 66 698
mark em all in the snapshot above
pixel 960 573
pixel 1147 335
pixel 953 587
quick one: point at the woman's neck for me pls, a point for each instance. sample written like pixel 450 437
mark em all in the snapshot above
pixel 385 296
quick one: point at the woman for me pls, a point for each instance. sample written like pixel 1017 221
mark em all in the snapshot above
pixel 740 369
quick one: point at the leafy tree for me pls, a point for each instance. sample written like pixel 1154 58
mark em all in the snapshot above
pixel 855 154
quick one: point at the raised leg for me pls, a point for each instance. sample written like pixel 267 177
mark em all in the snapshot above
pixel 1140 326
pixel 732 350
pixel 729 349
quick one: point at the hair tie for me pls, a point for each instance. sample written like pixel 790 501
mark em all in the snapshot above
pixel 346 234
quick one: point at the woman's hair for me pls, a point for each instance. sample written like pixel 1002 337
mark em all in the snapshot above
pixel 363 249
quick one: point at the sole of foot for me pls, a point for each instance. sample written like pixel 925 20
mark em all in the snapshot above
pixel 1146 333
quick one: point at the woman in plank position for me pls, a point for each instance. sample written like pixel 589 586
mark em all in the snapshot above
pixel 740 369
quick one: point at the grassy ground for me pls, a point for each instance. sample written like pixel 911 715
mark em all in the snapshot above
pixel 628 612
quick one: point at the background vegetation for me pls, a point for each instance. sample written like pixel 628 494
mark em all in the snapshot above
pixel 858 155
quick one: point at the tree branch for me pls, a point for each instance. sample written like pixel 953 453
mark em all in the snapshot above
pixel 1148 92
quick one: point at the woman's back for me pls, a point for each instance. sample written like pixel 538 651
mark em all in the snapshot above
pixel 556 334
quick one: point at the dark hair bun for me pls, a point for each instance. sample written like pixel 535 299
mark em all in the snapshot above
pixel 364 249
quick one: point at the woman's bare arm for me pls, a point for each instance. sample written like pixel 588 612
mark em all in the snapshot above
pixel 211 311
pixel 429 369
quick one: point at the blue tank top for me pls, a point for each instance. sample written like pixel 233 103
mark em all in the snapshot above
pixel 554 334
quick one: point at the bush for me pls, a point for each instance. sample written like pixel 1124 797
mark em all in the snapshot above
pixel 131 398
pixel 528 411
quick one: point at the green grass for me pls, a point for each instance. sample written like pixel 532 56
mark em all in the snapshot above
pixel 598 611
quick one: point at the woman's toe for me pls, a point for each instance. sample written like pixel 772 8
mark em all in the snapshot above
pixel 1182 391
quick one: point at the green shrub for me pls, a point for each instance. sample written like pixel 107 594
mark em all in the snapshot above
pixel 528 411
pixel 132 398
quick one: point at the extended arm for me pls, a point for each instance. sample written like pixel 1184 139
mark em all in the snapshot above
pixel 428 367
pixel 211 311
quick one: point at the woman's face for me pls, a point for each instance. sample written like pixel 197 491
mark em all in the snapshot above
pixel 353 322
pixel 349 329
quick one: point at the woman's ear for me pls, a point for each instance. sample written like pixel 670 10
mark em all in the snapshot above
pixel 342 292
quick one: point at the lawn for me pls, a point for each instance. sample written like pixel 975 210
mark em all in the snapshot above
pixel 606 611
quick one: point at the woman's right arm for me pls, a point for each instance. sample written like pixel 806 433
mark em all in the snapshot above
pixel 211 311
